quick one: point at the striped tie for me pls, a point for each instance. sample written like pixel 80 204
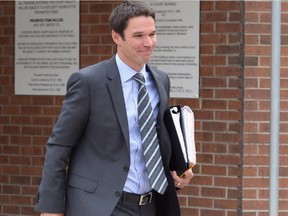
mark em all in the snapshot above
pixel 149 138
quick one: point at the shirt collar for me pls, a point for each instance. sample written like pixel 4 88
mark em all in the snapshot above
pixel 126 72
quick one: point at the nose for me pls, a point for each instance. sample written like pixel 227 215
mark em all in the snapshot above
pixel 148 41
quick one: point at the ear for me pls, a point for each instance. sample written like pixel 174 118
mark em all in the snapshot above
pixel 116 37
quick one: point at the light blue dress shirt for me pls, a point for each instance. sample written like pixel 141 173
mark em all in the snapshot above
pixel 137 180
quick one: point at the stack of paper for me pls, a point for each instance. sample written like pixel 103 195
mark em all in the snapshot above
pixel 187 123
pixel 180 124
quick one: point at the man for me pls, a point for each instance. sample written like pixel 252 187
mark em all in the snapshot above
pixel 95 163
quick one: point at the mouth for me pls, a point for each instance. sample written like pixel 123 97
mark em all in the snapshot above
pixel 146 52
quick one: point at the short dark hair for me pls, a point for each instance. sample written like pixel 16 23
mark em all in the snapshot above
pixel 122 13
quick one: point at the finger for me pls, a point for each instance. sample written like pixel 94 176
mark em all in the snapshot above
pixel 179 185
pixel 180 182
pixel 175 176
pixel 188 176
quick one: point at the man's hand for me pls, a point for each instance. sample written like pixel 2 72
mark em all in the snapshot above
pixel 51 214
pixel 181 182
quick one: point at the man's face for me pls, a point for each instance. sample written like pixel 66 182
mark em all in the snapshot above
pixel 136 48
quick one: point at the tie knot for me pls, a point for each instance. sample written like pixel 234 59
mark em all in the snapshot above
pixel 139 78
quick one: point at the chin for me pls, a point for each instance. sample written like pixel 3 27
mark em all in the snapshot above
pixel 145 60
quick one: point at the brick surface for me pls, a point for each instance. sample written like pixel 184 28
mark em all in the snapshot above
pixel 256 137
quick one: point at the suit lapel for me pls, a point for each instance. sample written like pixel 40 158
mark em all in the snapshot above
pixel 162 93
pixel 116 93
pixel 163 103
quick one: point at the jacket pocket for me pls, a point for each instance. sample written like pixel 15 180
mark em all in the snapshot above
pixel 82 183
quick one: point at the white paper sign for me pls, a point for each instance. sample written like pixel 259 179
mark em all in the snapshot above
pixel 46 46
pixel 177 50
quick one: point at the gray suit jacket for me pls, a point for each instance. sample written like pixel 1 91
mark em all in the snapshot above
pixel 91 136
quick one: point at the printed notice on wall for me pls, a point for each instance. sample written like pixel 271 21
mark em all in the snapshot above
pixel 177 50
pixel 46 46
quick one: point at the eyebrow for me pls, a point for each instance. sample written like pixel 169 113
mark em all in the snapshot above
pixel 136 33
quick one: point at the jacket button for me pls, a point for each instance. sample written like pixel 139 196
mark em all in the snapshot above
pixel 117 193
pixel 37 197
pixel 126 168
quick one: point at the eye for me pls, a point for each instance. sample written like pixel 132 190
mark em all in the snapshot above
pixel 152 34
pixel 138 35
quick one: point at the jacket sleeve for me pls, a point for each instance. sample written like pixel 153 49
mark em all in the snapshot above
pixel 65 135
